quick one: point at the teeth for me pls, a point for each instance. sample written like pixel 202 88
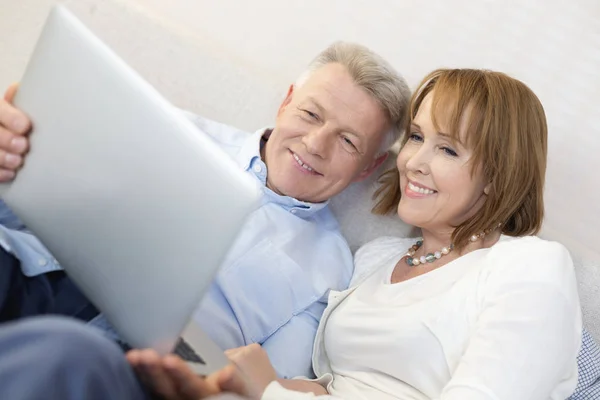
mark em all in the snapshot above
pixel 306 167
pixel 419 189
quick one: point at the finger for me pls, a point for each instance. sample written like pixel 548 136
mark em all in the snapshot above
pixel 10 161
pixel 157 378
pixel 238 352
pixel 189 385
pixel 14 119
pixel 135 360
pixel 6 175
pixel 133 357
pixel 230 379
pixel 232 353
pixel 11 142
pixel 11 91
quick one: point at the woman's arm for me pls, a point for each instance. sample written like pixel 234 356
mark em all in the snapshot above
pixel 528 332
pixel 300 385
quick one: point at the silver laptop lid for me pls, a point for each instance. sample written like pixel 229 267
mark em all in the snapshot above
pixel 136 204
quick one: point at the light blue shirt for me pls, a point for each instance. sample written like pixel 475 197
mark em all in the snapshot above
pixel 272 287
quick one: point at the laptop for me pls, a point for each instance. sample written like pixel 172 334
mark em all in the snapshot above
pixel 137 205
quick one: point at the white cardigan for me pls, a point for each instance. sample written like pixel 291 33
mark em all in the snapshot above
pixel 506 321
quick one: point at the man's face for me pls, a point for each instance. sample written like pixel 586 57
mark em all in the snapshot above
pixel 327 135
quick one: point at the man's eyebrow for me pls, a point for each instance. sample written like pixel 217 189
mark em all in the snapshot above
pixel 316 104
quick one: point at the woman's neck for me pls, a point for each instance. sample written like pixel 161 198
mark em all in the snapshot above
pixel 436 240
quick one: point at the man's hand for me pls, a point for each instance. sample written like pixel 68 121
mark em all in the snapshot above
pixel 14 127
pixel 170 377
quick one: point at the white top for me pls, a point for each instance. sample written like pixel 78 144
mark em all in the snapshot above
pixel 498 323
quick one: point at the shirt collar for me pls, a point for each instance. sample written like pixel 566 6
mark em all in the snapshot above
pixel 249 160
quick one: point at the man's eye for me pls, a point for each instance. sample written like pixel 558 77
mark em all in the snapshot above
pixel 348 142
pixel 311 115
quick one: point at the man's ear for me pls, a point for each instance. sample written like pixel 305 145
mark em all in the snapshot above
pixel 376 163
pixel 287 100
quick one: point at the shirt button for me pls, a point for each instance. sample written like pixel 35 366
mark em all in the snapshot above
pixel 257 168
pixel 42 262
pixel 294 211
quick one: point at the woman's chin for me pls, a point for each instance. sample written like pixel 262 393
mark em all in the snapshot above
pixel 408 217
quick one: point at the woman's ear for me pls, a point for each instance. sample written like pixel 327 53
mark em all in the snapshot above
pixel 487 188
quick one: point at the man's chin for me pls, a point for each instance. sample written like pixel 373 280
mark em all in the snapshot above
pixel 297 193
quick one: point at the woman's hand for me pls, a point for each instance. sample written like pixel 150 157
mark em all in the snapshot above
pixel 253 372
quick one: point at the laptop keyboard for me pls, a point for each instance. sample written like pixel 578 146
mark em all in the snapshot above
pixel 187 353
pixel 182 349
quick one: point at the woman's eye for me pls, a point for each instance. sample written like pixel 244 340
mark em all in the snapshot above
pixel 449 151
pixel 415 137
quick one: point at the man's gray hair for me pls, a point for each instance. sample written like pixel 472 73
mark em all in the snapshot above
pixel 376 76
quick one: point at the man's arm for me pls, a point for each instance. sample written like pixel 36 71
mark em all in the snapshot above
pixel 35 259
pixel 290 347
pixel 9 219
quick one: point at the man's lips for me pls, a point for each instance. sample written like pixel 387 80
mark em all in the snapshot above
pixel 303 164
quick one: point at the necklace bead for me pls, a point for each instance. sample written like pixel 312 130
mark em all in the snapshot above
pixel 427 258
pixel 431 257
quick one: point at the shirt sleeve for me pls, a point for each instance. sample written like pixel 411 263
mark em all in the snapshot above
pixel 528 332
pixel 290 349
pixel 34 258
pixel 9 219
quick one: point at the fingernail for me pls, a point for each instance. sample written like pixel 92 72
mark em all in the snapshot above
pixel 12 160
pixel 18 144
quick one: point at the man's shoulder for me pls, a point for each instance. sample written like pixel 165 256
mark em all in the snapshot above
pixel 224 135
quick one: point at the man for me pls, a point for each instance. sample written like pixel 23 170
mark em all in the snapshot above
pixel 333 128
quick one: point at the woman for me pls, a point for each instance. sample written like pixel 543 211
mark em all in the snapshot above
pixel 476 309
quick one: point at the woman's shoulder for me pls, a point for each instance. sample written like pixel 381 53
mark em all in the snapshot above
pixel 377 253
pixel 530 258
pixel 382 247
pixel 529 249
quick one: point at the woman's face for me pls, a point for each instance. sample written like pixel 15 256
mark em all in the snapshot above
pixel 439 192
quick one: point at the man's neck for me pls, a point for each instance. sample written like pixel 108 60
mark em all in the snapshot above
pixel 263 145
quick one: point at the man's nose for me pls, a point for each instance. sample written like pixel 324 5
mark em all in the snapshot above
pixel 317 142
